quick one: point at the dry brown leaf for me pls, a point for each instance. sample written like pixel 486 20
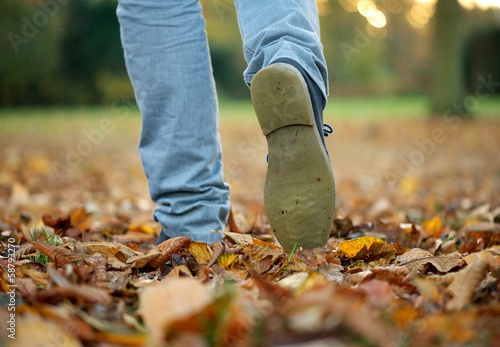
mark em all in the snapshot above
pixel 127 257
pixel 488 232
pixel 170 301
pixel 65 319
pixel 218 250
pixel 40 278
pixel 167 248
pixel 237 222
pixel 58 254
pixel 81 292
pixel 489 255
pixel 429 290
pixel 241 239
pixel 306 260
pixel 25 250
pixel 379 293
pixel 59 223
pixel 261 257
pixel 179 272
pixel 442 264
pixel 465 282
pixel 413 254
pixel 99 262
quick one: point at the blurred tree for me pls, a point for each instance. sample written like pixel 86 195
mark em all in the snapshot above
pixel 29 46
pixel 448 90
pixel 92 56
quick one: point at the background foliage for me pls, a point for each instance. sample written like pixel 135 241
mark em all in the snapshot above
pixel 69 52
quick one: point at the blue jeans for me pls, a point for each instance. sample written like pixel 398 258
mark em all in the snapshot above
pixel 167 59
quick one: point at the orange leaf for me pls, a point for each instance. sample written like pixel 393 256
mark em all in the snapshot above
pixel 433 227
pixel 132 245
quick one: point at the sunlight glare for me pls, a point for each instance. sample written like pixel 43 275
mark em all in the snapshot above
pixel 365 5
pixel 376 18
pixel 420 14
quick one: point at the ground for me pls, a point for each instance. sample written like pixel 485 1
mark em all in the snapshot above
pixel 412 259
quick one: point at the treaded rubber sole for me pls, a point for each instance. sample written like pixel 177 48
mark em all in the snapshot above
pixel 299 193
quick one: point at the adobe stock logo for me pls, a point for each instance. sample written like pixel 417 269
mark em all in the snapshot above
pixel 31 27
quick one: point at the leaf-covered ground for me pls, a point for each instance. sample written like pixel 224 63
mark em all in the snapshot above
pixel 413 258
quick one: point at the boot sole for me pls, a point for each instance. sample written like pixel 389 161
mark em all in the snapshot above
pixel 299 193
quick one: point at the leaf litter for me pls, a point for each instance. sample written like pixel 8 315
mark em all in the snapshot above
pixel 397 269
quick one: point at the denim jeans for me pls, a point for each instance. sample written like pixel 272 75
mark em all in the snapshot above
pixel 167 59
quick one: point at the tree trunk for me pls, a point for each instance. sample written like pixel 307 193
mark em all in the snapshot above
pixel 448 89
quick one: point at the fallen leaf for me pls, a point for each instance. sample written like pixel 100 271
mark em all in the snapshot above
pixel 227 260
pixel 179 272
pixel 414 254
pixel 429 290
pixel 490 255
pixel 169 247
pixel 261 256
pixel 433 227
pixel 59 223
pixel 40 278
pixel 170 301
pixel 143 228
pixel 59 255
pixel 379 292
pixel 366 247
pixel 201 252
pixel 240 239
pixel 442 264
pixel 34 330
pixel 465 282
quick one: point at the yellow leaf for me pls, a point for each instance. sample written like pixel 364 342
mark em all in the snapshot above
pixel 227 260
pixel 353 247
pixel 143 228
pixel 433 227
pixel 200 251
pixel 408 185
pixel 39 164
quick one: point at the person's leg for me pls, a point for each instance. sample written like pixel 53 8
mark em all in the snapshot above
pixel 282 29
pixel 166 54
pixel 288 79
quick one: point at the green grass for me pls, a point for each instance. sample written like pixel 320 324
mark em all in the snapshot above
pixel 375 108
pixel 53 240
